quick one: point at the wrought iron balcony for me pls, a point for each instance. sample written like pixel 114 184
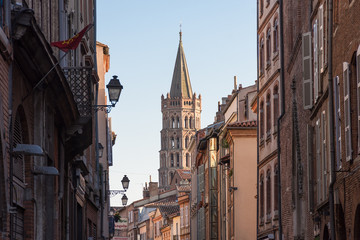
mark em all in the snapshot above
pixel 79 79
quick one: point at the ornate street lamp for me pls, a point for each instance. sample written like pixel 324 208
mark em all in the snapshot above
pixel 114 89
pixel 125 182
pixel 124 200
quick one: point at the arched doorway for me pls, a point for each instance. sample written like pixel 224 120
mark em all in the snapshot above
pixel 326 233
pixel 357 223
pixel 340 223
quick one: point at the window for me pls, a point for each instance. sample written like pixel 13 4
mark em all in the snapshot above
pixel 172 123
pixel 276 187
pixel 177 143
pixel 187 160
pixel 347 111
pixel 338 121
pixel 268 193
pixel 172 160
pixel 261 50
pixel 186 122
pixel 2 13
pixel 307 71
pixel 268 115
pixel 321 38
pixel 186 142
pixel 172 142
pixel 268 47
pixel 261 120
pixel 276 104
pixel 324 166
pixel 178 160
pixel 177 122
pixel 261 198
pixel 190 123
pixel 316 60
pixel 261 7
pixel 318 161
pixel 358 94
pixel 276 35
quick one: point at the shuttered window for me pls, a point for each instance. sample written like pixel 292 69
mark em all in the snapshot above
pixel 324 155
pixel 309 156
pixel 316 60
pixel 337 122
pixel 321 38
pixel 347 114
pixel 307 71
pixel 318 161
pixel 358 94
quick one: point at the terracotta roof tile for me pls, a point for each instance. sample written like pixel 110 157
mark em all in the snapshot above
pixel 249 124
pixel 184 174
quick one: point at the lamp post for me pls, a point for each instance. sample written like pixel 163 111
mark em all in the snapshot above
pixel 125 183
pixel 114 89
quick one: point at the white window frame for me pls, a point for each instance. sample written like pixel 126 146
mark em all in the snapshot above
pixel 307 77
pixel 347 111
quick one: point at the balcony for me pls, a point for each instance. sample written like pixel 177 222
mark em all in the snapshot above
pixel 80 80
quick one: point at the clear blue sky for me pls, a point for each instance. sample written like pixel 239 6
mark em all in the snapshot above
pixel 219 39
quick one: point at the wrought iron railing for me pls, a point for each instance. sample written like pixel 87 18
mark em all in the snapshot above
pixel 79 79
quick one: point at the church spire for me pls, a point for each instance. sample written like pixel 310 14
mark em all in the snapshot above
pixel 180 85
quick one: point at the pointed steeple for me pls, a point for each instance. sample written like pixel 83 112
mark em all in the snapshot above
pixel 180 85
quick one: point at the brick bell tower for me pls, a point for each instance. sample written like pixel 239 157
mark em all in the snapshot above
pixel 181 111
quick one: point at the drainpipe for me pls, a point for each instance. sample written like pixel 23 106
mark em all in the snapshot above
pixel 257 120
pixel 282 90
pixel 331 123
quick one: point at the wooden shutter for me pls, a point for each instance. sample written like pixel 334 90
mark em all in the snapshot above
pixel 347 115
pixel 316 60
pixel 318 161
pixel 324 174
pixel 307 71
pixel 321 38
pixel 310 167
pixel 337 121
pixel 358 93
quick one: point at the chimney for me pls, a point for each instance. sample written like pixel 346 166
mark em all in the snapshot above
pixel 146 192
pixel 235 83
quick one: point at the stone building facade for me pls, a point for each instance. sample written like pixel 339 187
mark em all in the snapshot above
pixel 181 111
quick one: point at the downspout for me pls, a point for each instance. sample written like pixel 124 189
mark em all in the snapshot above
pixel 97 127
pixel 282 90
pixel 331 123
pixel 257 120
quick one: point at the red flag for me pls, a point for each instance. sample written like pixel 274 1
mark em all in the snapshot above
pixel 73 42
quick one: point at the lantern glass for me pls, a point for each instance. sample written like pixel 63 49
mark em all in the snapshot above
pixel 124 200
pixel 125 182
pixel 114 88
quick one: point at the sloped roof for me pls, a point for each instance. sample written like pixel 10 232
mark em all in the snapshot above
pixel 248 124
pixel 180 85
pixel 169 210
pixel 184 174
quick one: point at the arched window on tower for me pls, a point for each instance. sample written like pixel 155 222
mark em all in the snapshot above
pixel 186 122
pixel 172 160
pixel 186 142
pixel 177 122
pixel 177 160
pixel 172 122
pixel 172 142
pixel 177 142
pixel 190 123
